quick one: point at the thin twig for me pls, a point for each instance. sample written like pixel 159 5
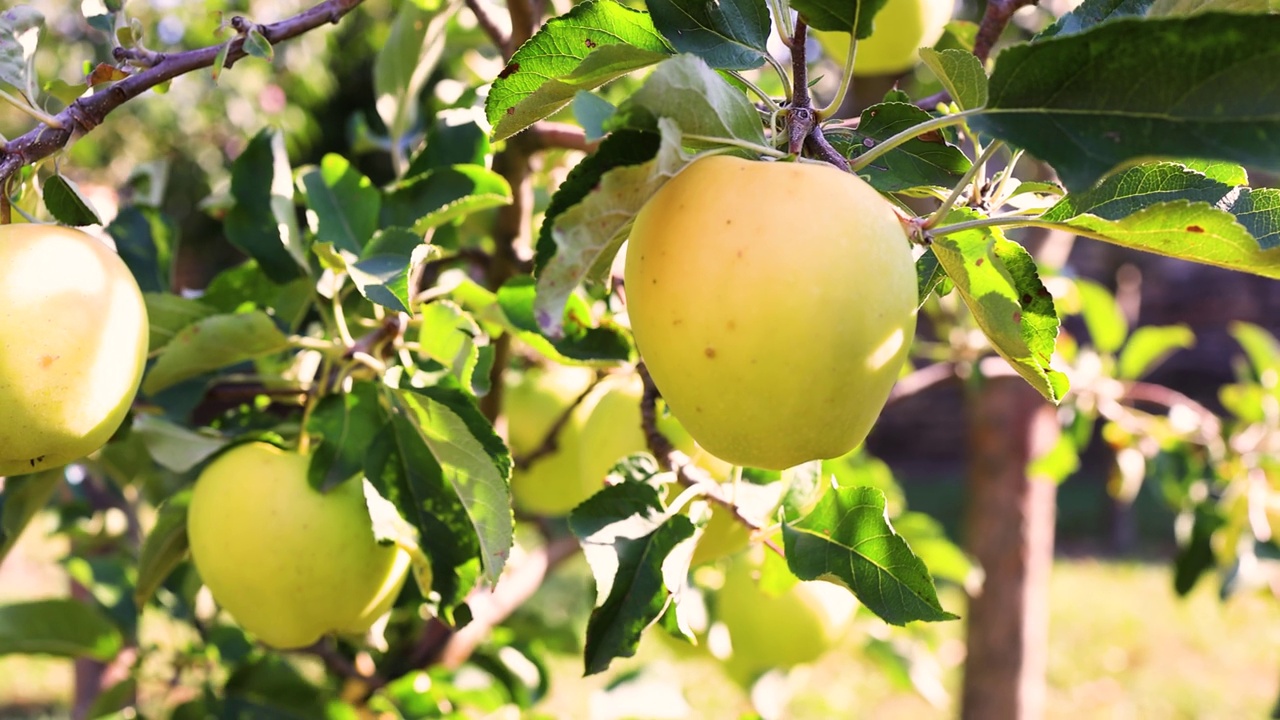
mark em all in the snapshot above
pixel 85 114
pixel 683 466
pixel 486 23
pixel 547 135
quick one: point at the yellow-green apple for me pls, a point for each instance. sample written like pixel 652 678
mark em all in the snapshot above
pixel 73 343
pixel 289 563
pixel 780 630
pixel 902 27
pixel 536 399
pixel 774 304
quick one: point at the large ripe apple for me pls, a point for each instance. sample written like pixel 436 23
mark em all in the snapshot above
pixel 290 564
pixel 770 631
pixel 73 343
pixel 902 27
pixel 774 304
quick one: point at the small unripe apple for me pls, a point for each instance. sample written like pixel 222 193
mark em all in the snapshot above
pixel 73 344
pixel 601 430
pixel 779 630
pixel 289 563
pixel 774 304
pixel 902 27
pixel 536 399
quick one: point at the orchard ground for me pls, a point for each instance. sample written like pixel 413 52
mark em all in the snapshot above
pixel 1121 643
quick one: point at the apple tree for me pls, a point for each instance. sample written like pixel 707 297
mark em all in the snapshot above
pixel 629 282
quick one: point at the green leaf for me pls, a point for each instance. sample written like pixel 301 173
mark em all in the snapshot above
pixel 262 223
pixel 592 112
pixel 67 205
pixel 625 537
pixel 1088 102
pixel 1092 12
pixel 1102 316
pixel 686 91
pixel 164 548
pixel 21 497
pixel 168 314
pixel 443 195
pixel 729 35
pixel 618 149
pixel 1151 345
pixel 1260 346
pixel 473 458
pixel 346 204
pixel 59 627
pixel 929 275
pixel 20 27
pixel 580 339
pixel 847 540
pixel 840 15
pixel 587 235
pixel 592 44
pixel 146 239
pixel 1193 7
pixel 258 46
pixel 929 541
pixel 174 446
pixel 999 283
pixel 406 61
pixel 960 73
pixel 269 687
pixel 383 279
pixel 455 138
pixel 402 467
pixel 1195 555
pixel 342 426
pixel 212 343
pixel 449 336
pixel 929 160
pixel 1169 209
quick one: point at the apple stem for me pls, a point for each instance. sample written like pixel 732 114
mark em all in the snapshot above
pixel 910 133
pixel 969 176
pixel 688 474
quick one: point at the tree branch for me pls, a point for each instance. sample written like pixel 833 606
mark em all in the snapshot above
pixel 486 23
pixel 551 441
pixel 682 465
pixel 994 21
pixel 85 114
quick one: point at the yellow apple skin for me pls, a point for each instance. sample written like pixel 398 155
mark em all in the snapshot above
pixel 73 344
pixel 778 631
pixel 774 304
pixel 290 564
pixel 902 27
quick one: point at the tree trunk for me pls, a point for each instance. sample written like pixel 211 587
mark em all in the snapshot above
pixel 1010 523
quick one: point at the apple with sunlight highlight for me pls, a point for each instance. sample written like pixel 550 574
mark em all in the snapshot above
pixel 73 343
pixel 774 304
pixel 289 563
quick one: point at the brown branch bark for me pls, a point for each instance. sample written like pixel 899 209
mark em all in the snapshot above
pixel 490 28
pixel 85 114
pixel 682 465
pixel 551 441
pixel 1009 531
pixel 994 21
